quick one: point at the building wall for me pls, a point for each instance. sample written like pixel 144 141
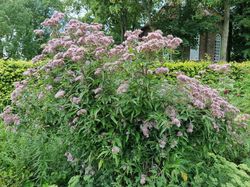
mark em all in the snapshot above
pixel 207 44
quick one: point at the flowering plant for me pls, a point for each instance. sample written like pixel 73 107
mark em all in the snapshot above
pixel 121 123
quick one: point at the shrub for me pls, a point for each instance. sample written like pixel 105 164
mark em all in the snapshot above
pixel 202 71
pixel 10 72
pixel 12 171
pixel 95 116
pixel 217 171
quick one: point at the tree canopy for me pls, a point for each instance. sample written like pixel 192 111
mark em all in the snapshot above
pixel 18 19
pixel 183 18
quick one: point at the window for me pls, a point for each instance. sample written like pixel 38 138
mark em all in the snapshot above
pixel 194 52
pixel 217 49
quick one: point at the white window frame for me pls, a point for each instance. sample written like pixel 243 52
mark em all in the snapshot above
pixel 217 48
pixel 194 53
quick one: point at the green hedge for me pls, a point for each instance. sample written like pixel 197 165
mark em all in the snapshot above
pixel 208 76
pixel 10 71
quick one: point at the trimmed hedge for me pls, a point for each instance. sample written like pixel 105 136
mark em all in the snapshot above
pixel 208 76
pixel 10 71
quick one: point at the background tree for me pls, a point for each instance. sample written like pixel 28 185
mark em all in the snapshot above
pixel 18 19
pixel 118 15
pixel 186 19
pixel 240 34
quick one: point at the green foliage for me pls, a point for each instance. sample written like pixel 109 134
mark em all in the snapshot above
pixel 201 71
pixel 18 19
pixel 112 121
pixel 241 26
pixel 10 71
pixel 37 149
pixel 217 171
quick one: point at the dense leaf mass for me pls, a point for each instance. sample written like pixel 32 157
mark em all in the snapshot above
pixel 104 115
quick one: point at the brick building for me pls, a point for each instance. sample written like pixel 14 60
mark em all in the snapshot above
pixel 208 47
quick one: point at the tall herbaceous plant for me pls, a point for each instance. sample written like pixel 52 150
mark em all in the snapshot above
pixel 113 115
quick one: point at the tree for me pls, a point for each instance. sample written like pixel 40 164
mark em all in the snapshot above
pixel 18 19
pixel 118 15
pixel 240 37
pixel 225 33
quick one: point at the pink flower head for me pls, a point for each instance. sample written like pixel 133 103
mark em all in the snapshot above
pixel 19 88
pixel 174 144
pixel 161 70
pixel 54 20
pixel 176 122
pixel 81 112
pixel 57 79
pixel 69 157
pixel 40 95
pixel 146 126
pixel 60 94
pixel 49 87
pixel 29 72
pixel 162 143
pixel 132 36
pixel 143 179
pixel 39 32
pixel 38 58
pixel 205 97
pixel 190 128
pixel 221 68
pixel 76 100
pixel 97 90
pixel 9 118
pixel 123 88
pixel 78 78
pixel 145 131
pixel 216 127
pixel 115 150
pixel 179 134
pixel 98 71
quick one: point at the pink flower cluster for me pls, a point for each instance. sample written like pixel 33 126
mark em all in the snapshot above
pixel 52 45
pixel 69 157
pixel 54 20
pixel 221 68
pixel 53 64
pixel 206 97
pixel 39 32
pixel 143 179
pixel 10 118
pixel 60 94
pixel 155 41
pixel 78 40
pixel 29 72
pixel 161 70
pixel 162 143
pixel 146 126
pixel 115 150
pixel 81 41
pixel 132 36
pixel 76 100
pixel 190 128
pixel 243 117
pixel 19 87
pixel 118 50
pixel 170 111
pixel 38 58
pixel 123 88
pixel 81 112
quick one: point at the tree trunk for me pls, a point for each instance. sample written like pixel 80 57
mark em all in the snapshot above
pixel 225 32
pixel 1 49
pixel 123 23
